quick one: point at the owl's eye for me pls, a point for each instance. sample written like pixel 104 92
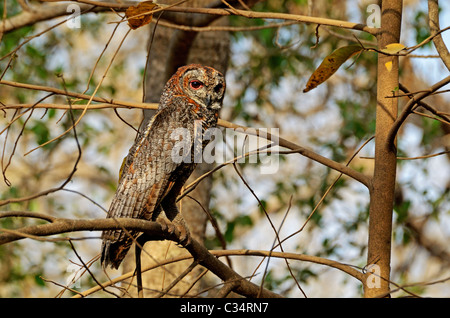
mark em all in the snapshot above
pixel 195 84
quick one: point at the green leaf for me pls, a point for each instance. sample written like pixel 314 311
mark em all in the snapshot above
pixel 330 65
pixel 243 220
pixel 41 132
pixel 39 281
pixel 402 211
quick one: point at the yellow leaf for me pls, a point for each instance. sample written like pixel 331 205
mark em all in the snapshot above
pixel 393 48
pixel 330 65
pixel 137 16
pixel 388 65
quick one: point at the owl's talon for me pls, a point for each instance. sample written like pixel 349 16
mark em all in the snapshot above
pixel 184 236
pixel 178 228
pixel 166 225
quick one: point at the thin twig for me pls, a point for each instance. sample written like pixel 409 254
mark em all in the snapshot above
pixel 409 107
pixel 57 91
pixel 89 271
pixel 328 191
pixel 89 101
pixel 178 279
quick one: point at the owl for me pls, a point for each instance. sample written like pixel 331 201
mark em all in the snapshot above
pixel 157 167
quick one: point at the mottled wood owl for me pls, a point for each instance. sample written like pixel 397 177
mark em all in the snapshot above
pixel 163 156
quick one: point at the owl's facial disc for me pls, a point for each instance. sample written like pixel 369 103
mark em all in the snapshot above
pixel 206 89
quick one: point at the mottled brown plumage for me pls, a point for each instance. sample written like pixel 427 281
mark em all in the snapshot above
pixel 156 169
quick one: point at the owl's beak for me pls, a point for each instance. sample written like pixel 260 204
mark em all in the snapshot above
pixel 210 103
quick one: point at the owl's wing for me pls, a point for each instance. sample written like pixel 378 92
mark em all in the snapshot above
pixel 149 173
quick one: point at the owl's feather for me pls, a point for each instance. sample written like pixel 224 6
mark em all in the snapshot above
pixel 144 181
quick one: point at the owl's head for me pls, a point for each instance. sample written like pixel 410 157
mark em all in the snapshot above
pixel 204 85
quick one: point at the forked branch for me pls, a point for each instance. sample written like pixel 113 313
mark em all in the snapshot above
pixel 151 229
pixel 208 259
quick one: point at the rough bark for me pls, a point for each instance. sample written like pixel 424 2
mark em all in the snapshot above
pixel 383 186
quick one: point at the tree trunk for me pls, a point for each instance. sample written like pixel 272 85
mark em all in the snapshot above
pixel 383 186
pixel 171 49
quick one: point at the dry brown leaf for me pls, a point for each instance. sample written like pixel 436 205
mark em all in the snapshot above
pixel 330 65
pixel 137 16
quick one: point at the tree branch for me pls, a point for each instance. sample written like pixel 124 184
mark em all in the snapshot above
pixel 275 15
pixel 76 95
pixel 428 107
pixel 151 229
pixel 364 179
pixel 348 269
pixel 433 21
pixel 208 259
pixel 29 17
pixel 409 106
pixel 303 151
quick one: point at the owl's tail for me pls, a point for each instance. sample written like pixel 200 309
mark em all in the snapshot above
pixel 113 252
